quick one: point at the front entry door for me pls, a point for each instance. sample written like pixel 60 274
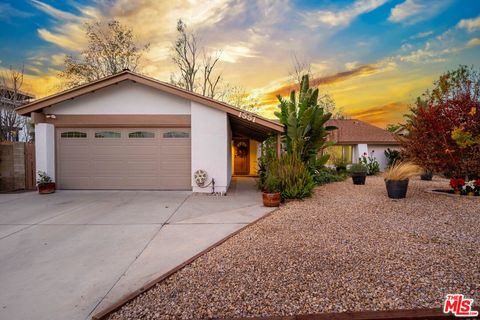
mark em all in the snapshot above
pixel 241 157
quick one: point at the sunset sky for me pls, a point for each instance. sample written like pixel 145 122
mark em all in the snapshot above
pixel 372 56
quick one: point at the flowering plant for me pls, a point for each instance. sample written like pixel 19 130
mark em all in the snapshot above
pixel 470 186
pixel 370 162
pixel 457 183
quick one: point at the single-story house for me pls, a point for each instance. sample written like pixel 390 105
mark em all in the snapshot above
pixel 129 131
pixel 354 138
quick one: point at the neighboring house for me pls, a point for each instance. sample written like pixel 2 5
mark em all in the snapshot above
pixel 128 131
pixel 12 124
pixel 354 138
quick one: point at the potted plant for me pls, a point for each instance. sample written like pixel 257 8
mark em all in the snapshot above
pixel 271 191
pixel 359 173
pixel 397 176
pixel 340 165
pixel 45 183
pixel 427 176
pixel 457 184
pixel 372 164
pixel 470 188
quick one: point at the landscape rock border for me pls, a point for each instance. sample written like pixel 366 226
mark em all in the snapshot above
pixel 435 191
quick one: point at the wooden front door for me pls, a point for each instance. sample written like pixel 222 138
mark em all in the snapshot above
pixel 241 157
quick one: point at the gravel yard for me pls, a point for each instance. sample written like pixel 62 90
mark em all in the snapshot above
pixel 349 248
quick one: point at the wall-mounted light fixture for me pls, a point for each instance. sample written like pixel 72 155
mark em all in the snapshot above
pixel 51 116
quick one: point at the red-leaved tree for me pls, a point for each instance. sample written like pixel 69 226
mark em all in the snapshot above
pixel 444 126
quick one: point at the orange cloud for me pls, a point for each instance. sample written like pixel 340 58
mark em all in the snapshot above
pixel 381 115
pixel 271 97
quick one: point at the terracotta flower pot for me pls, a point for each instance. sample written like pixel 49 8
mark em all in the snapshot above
pixel 46 188
pixel 359 177
pixel 471 193
pixel 457 191
pixel 397 189
pixel 271 199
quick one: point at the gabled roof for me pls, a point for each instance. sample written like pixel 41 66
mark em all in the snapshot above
pixel 352 131
pixel 127 75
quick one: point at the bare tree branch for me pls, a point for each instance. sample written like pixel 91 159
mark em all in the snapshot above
pixel 196 72
pixel 11 97
pixel 111 49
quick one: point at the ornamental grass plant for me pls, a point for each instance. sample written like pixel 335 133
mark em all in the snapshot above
pixel 402 171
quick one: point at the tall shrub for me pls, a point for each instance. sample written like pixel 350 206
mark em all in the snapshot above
pixel 304 121
pixel 293 176
pixel 444 126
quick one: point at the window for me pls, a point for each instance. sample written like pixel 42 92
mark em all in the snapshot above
pixel 107 134
pixel 141 134
pixel 73 134
pixel 176 134
pixel 340 154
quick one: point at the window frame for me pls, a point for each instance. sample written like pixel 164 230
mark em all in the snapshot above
pixel 66 135
pixel 133 135
pixel 171 135
pixel 107 132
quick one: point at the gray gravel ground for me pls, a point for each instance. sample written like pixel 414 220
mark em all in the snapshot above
pixel 349 248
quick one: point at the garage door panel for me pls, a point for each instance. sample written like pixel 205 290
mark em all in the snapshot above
pixel 108 168
pixel 75 168
pixel 113 160
pixel 76 183
pixel 108 182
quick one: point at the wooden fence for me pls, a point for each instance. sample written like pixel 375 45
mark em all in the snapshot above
pixel 17 166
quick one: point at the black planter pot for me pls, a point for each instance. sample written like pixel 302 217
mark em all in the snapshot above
pixel 359 177
pixel 427 176
pixel 397 189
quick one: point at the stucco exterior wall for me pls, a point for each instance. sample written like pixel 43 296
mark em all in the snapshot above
pixel 229 153
pixel 124 98
pixel 210 147
pixel 379 153
pixel 45 148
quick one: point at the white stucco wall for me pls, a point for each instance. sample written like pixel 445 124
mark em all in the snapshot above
pixel 124 98
pixel 45 148
pixel 358 151
pixel 210 146
pixel 229 153
pixel 379 153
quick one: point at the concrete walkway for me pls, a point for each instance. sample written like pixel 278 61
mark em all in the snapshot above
pixel 73 253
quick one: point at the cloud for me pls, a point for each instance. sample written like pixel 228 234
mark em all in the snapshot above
pixel 232 53
pixel 473 42
pixel 53 12
pixel 428 56
pixel 7 12
pixel 382 114
pixel 470 24
pixel 422 35
pixel 412 11
pixel 355 72
pixel 342 18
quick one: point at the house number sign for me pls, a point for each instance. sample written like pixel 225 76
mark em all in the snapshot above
pixel 246 116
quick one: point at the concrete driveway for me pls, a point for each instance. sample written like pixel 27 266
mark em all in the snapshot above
pixel 73 253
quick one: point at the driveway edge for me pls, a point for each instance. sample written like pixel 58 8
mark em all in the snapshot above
pixel 128 297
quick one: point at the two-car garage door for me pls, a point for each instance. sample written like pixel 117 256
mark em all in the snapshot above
pixel 124 158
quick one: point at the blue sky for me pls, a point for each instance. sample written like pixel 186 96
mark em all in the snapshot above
pixel 373 56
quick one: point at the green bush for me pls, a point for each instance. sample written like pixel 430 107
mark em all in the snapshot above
pixel 271 184
pixel 358 168
pixel 326 175
pixel 392 156
pixel 268 154
pixel 294 178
